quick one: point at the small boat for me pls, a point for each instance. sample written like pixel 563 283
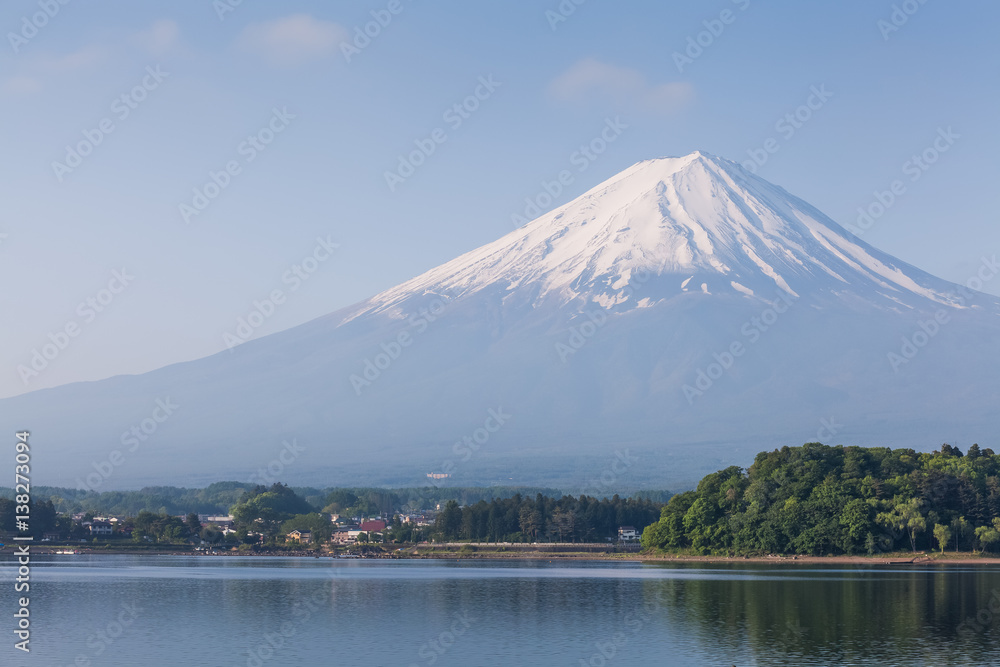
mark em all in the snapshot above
pixel 909 561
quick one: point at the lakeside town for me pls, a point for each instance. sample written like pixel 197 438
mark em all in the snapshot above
pixel 214 532
pixel 277 521
pixel 350 537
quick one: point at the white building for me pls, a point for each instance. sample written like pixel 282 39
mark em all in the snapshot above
pixel 627 534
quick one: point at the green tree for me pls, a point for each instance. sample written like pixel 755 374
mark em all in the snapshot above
pixel 449 521
pixel 530 521
pixel 906 517
pixel 942 534
pixel 211 534
pixel 700 523
pixel 562 523
pixel 960 529
pixel 7 514
pixel 987 536
pixel 856 520
pixel 264 509
pixel 338 501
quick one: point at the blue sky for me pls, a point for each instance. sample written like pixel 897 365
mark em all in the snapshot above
pixel 207 85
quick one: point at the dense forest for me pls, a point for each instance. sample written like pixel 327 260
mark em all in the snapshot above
pixel 820 500
pixel 214 499
pixel 543 519
pixel 218 498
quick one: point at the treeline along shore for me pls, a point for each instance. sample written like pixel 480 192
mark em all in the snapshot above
pixel 821 500
pixel 793 503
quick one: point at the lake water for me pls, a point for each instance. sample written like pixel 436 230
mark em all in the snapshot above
pixel 220 612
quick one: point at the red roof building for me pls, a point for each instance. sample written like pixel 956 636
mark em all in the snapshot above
pixel 374 526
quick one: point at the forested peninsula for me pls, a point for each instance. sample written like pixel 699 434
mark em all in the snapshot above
pixel 822 500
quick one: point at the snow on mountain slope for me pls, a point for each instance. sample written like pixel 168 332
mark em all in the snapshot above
pixel 700 218
pixel 588 326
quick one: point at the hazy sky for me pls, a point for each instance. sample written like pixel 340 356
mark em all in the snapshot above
pixel 308 128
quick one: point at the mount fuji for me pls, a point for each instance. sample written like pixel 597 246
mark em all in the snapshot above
pixel 674 319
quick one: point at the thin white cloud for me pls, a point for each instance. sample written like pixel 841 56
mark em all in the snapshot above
pixel 30 73
pixel 159 39
pixel 591 80
pixel 34 69
pixel 293 40
pixel 21 86
pixel 85 58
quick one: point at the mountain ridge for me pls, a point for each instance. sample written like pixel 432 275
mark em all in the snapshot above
pixel 567 258
pixel 585 325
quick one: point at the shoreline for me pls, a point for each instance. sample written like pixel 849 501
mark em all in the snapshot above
pixel 894 559
pixel 440 553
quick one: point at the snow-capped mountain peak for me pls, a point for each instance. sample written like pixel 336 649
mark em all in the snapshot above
pixel 693 223
pixel 684 308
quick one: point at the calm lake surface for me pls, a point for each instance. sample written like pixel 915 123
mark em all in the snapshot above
pixel 178 610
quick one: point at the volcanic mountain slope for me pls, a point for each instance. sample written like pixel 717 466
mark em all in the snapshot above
pixel 700 218
pixel 685 310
